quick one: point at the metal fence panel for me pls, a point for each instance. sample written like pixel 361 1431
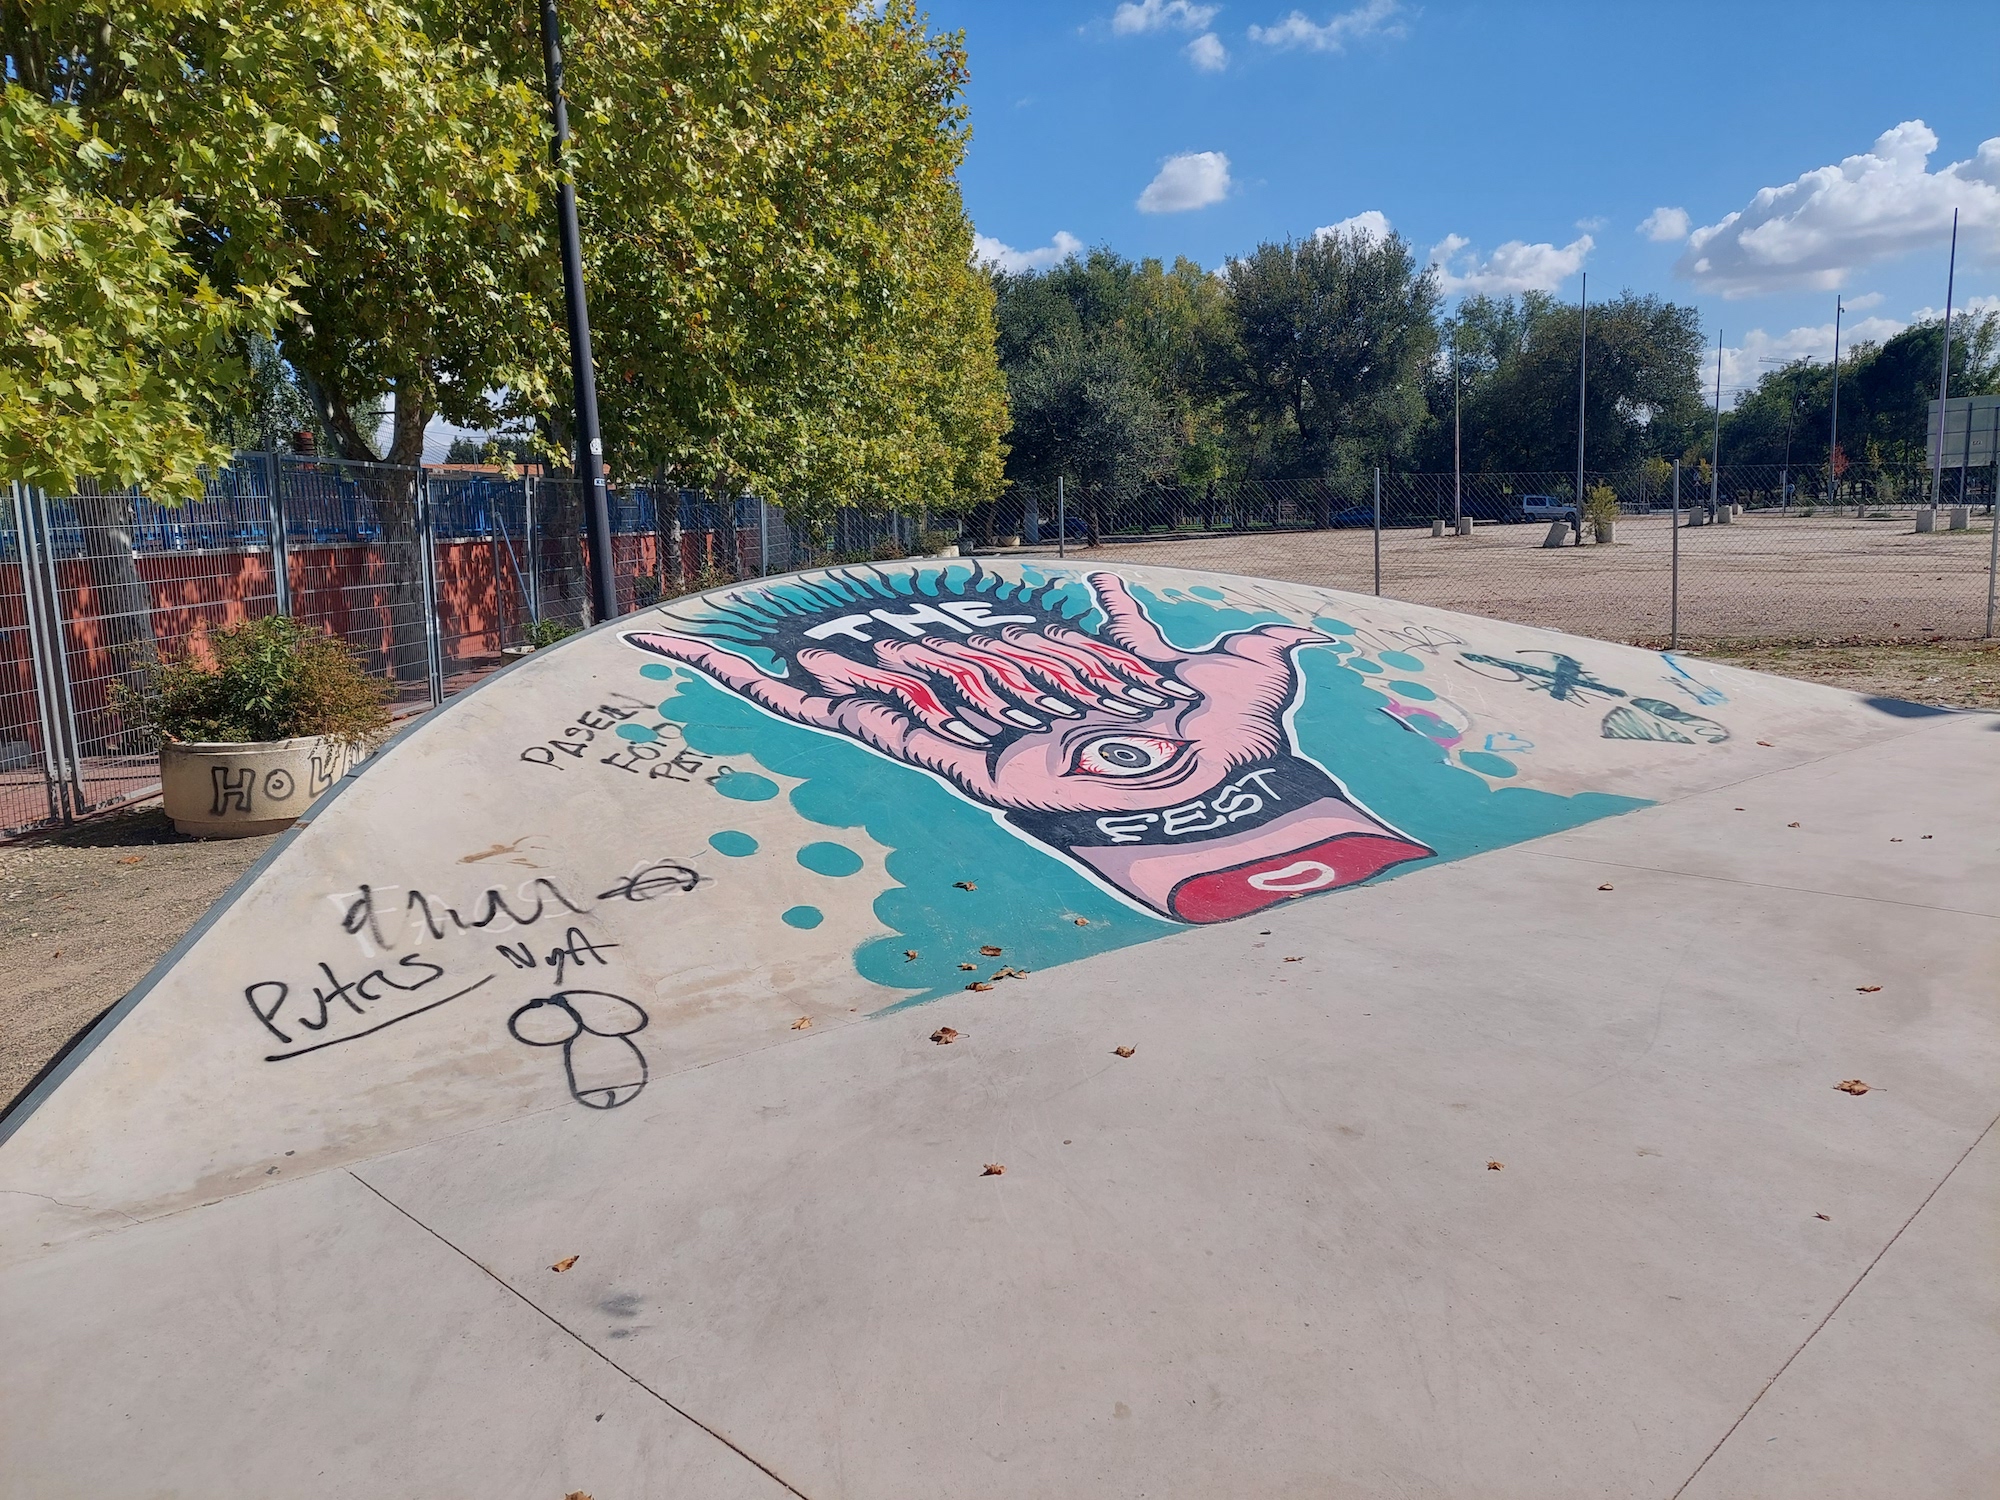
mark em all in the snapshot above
pixel 432 574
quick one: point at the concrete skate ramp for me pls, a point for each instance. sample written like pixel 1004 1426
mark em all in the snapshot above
pixel 1486 990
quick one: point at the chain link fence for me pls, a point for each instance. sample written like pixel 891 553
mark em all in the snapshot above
pixel 1753 553
pixel 435 575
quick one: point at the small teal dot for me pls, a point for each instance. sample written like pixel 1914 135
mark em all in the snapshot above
pixel 638 732
pixel 1489 765
pixel 829 859
pixel 732 843
pixel 747 786
pixel 659 671
pixel 1413 690
pixel 1360 665
pixel 1206 593
pixel 804 918
pixel 1334 627
pixel 1404 660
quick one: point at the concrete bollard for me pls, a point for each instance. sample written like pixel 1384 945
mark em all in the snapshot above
pixel 1437 527
pixel 1465 526
pixel 1724 514
pixel 1961 518
pixel 1558 534
pixel 1926 520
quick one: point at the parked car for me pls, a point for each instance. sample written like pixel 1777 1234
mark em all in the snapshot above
pixel 1549 508
pixel 1354 515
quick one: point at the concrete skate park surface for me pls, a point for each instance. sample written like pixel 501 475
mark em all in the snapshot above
pixel 589 1095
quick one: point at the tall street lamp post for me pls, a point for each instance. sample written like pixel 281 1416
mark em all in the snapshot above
pixel 583 378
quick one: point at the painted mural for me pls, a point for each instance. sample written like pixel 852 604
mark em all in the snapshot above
pixel 1108 762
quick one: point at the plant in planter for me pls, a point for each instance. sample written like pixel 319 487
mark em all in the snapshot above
pixel 1600 508
pixel 250 736
pixel 539 633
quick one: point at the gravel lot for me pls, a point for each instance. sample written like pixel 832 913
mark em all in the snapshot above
pixel 1791 578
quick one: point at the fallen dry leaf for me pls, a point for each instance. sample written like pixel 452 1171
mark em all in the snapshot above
pixel 1852 1086
pixel 1791 825
pixel 964 885
pixel 1081 921
pixel 1299 960
pixel 1866 989
pixel 1929 835
pixel 133 859
pixel 803 1023
pixel 1822 1216
pixel 909 954
pixel 979 984
pixel 1006 973
pixel 1605 888
pixel 1496 1166
pixel 578 1494
pixel 944 1036
pixel 987 950
pixel 1895 841
pixel 994 1169
pixel 564 1264
pixel 1123 1051
pixel 968 966
pixel 1766 744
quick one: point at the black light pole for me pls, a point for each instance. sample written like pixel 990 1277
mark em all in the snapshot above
pixel 583 378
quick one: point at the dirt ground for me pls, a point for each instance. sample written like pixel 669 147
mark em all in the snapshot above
pixel 85 912
pixel 1762 577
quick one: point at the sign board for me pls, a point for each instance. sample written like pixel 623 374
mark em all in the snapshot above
pixel 1971 432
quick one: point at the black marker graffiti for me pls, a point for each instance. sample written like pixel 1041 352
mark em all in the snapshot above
pixel 489 907
pixel 575 948
pixel 604 1066
pixel 644 885
pixel 589 724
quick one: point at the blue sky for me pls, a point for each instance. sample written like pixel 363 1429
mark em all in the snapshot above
pixel 1522 144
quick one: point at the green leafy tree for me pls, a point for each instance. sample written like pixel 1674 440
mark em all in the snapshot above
pixel 1333 334
pixel 1518 399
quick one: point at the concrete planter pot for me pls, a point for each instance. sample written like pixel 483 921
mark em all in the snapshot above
pixel 513 653
pixel 223 791
pixel 1604 530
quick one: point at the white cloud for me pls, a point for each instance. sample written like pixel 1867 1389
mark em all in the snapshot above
pixel 1818 229
pixel 1863 302
pixel 989 251
pixel 1194 179
pixel 1135 16
pixel 1207 53
pixel 1744 364
pixel 1374 18
pixel 1514 267
pixel 1663 225
pixel 1370 224
pixel 1593 223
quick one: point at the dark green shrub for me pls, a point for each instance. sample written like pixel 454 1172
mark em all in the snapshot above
pixel 269 679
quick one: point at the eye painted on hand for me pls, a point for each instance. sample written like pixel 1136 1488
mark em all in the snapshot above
pixel 1126 754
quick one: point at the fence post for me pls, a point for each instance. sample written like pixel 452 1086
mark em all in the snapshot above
pixel 1674 588
pixel 1062 521
pixel 427 563
pixel 60 741
pixel 1378 533
pixel 281 556
pixel 40 667
pixel 1993 540
pixel 533 550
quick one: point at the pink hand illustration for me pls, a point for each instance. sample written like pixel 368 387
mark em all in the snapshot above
pixel 1040 716
pixel 1154 766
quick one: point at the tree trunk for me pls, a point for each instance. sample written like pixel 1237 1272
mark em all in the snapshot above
pixel 399 585
pixel 122 607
